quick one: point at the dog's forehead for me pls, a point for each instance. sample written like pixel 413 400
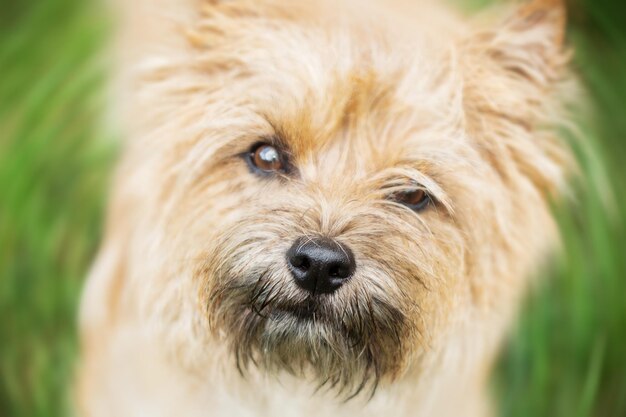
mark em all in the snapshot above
pixel 336 93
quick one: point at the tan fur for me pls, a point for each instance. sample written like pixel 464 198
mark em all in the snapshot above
pixel 369 98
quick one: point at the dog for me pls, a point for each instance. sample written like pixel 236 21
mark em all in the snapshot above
pixel 323 208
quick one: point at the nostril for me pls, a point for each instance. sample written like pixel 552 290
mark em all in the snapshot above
pixel 339 271
pixel 333 271
pixel 301 262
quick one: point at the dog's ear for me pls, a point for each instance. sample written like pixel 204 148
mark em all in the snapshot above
pixel 528 46
pixel 149 28
pixel 529 43
pixel 516 85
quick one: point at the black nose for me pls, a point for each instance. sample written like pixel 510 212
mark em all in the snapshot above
pixel 320 265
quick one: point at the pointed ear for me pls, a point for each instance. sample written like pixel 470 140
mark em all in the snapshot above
pixel 548 17
pixel 530 42
pixel 517 86
pixel 145 27
pixel 520 64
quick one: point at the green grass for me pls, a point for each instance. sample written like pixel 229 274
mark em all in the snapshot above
pixel 568 354
pixel 566 358
pixel 54 162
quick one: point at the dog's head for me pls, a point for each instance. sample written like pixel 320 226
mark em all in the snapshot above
pixel 338 192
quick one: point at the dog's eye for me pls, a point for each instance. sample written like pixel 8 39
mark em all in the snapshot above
pixel 265 158
pixel 415 199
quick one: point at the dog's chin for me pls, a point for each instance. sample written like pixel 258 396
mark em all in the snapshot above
pixel 348 348
pixel 308 312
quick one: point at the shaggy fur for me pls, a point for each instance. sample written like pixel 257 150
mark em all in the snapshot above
pixel 190 308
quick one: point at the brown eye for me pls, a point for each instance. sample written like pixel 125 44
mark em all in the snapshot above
pixel 266 158
pixel 415 199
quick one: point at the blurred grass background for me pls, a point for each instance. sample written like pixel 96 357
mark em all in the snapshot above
pixel 567 357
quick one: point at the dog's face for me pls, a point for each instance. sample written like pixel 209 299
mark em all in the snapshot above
pixel 338 199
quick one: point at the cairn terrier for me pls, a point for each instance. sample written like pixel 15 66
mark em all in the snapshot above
pixel 323 208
